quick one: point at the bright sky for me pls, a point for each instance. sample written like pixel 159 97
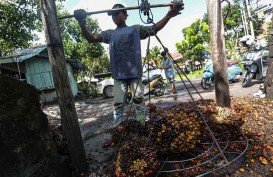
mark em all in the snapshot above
pixel 169 35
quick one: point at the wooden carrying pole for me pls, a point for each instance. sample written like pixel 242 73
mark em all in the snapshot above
pixel 62 86
pixel 118 9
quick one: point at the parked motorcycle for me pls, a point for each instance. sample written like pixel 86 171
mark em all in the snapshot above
pixel 255 63
pixel 154 85
pixel 234 73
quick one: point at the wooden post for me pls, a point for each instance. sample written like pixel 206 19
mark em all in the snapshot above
pixel 62 86
pixel 217 42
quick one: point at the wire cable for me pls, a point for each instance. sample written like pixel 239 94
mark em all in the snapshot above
pixel 147 11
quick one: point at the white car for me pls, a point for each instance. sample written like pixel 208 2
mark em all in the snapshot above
pixel 106 87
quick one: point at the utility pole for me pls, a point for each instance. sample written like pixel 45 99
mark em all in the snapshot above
pixel 61 82
pixel 249 18
pixel 218 51
pixel 244 21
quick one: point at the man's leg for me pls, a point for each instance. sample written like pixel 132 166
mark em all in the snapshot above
pixel 171 80
pixel 173 87
pixel 137 88
pixel 120 88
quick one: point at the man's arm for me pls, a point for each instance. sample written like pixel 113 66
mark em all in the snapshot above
pixel 160 24
pixel 168 65
pixel 89 36
pixel 165 67
pixel 80 16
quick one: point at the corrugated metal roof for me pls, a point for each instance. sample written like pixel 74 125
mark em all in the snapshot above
pixel 176 55
pixel 76 64
pixel 21 55
pixel 24 54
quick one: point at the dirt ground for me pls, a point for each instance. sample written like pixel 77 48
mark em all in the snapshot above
pixel 95 118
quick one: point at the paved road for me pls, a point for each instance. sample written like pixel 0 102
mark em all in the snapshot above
pixel 195 82
pixel 195 92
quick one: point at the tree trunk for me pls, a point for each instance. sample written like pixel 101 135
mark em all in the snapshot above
pixel 217 42
pixel 268 83
pixel 62 86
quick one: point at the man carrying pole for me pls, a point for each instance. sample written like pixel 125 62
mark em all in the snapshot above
pixel 125 55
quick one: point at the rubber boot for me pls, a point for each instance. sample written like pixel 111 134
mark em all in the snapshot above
pixel 140 112
pixel 118 114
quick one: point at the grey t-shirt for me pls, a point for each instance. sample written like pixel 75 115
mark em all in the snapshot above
pixel 125 50
pixel 145 31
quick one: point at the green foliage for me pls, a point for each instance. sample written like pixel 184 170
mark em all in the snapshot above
pixel 18 21
pixel 233 18
pixel 154 54
pixel 233 28
pixel 257 24
pixel 196 35
pixel 87 89
pixel 77 47
pixel 269 26
pixel 231 49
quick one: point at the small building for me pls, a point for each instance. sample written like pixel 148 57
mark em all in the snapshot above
pixel 182 62
pixel 33 67
pixel 263 8
pixel 177 57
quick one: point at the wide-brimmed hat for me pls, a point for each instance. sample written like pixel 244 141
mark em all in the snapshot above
pixel 116 6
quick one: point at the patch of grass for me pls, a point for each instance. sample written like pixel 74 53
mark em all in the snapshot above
pixel 192 75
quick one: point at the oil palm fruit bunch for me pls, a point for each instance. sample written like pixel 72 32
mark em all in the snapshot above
pixel 126 128
pixel 187 127
pixel 160 133
pixel 137 157
pixel 174 130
